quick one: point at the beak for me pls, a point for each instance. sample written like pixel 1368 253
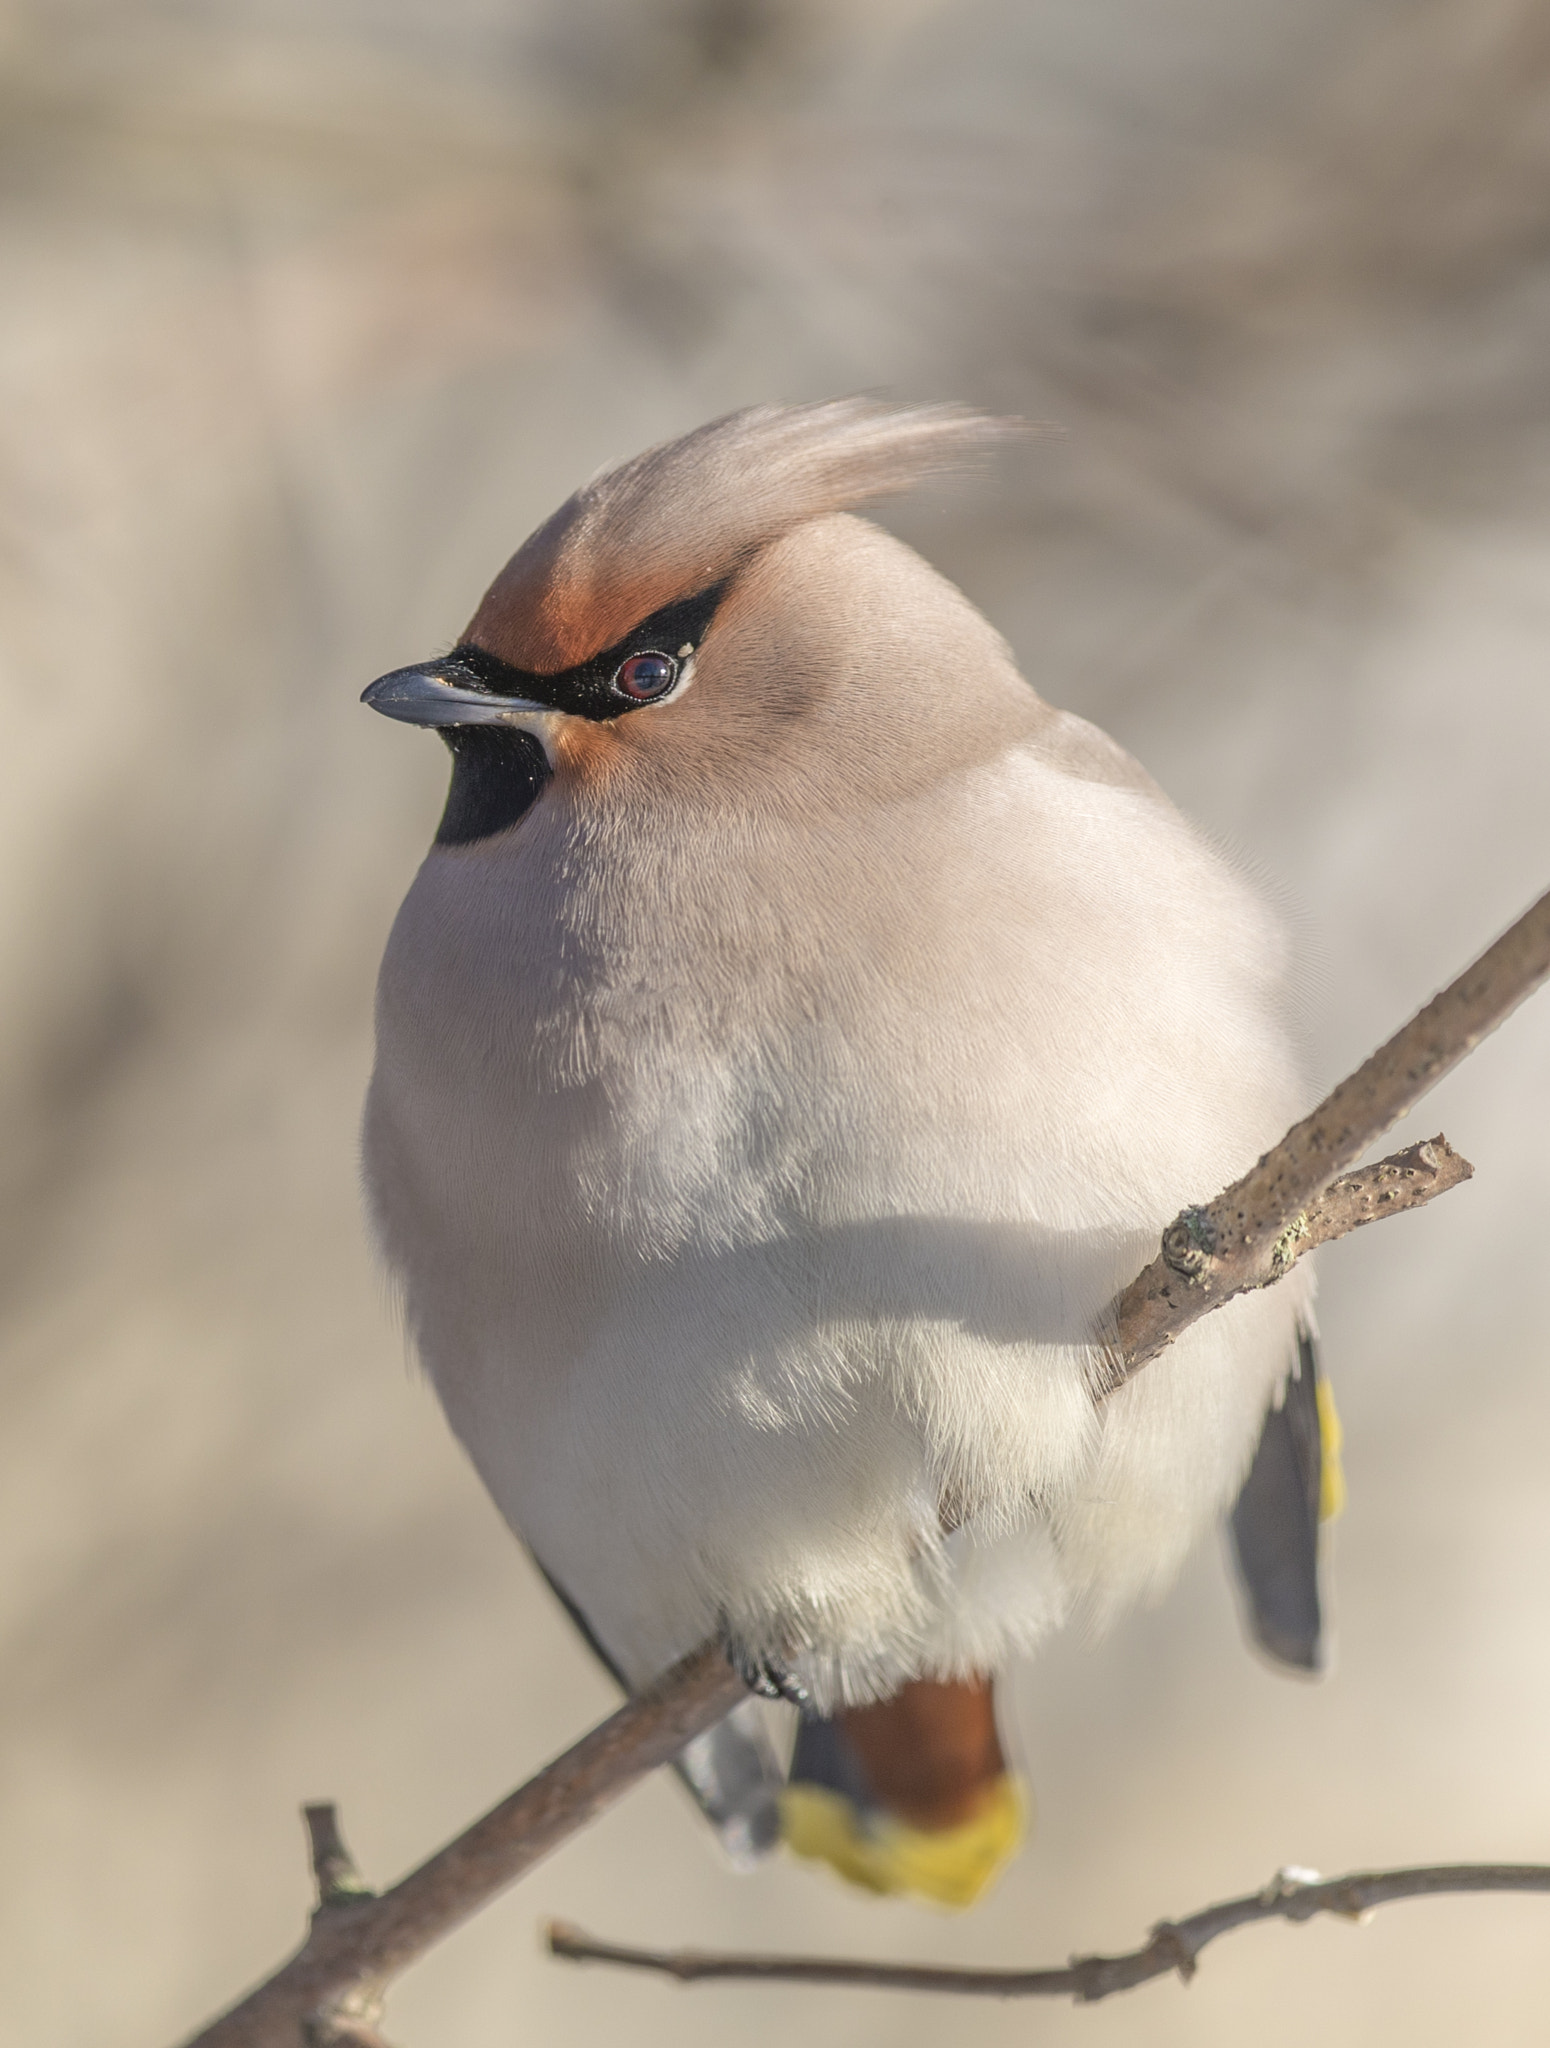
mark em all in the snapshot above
pixel 438 693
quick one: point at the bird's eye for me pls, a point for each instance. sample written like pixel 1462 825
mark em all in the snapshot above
pixel 645 677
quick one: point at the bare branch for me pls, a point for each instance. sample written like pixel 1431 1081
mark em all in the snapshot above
pixel 359 1941
pixel 1174 1944
pixel 1405 1180
pixel 1249 1236
pixel 339 2030
pixel 333 1866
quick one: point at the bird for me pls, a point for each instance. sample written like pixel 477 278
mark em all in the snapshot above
pixel 796 1035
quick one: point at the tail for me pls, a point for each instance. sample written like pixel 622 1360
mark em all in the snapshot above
pixel 912 1795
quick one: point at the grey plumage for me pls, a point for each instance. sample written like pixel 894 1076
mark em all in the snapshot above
pixel 735 1777
pixel 1274 1525
pixel 731 1772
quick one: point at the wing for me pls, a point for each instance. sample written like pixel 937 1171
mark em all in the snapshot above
pixel 731 1771
pixel 1293 1483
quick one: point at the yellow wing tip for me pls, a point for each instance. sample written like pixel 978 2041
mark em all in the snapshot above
pixel 1331 1470
pixel 953 1867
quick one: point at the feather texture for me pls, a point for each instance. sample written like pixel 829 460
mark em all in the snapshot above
pixel 682 515
pixel 762 1127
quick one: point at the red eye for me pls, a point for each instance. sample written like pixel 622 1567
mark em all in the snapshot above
pixel 645 676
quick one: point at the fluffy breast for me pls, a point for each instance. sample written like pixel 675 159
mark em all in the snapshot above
pixel 758 1185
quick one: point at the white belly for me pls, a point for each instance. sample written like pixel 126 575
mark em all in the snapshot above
pixel 740 1283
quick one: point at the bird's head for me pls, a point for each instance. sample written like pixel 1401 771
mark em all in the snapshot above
pixel 682 612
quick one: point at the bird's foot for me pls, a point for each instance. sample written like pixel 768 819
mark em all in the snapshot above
pixel 767 1677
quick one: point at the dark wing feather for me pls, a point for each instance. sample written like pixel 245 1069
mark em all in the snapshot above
pixel 1275 1525
pixel 731 1771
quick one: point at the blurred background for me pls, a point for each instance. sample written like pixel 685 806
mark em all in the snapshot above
pixel 311 309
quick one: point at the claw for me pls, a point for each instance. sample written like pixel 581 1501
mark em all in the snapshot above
pixel 786 1683
pixel 766 1677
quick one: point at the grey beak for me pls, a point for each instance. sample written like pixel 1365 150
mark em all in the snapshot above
pixel 435 693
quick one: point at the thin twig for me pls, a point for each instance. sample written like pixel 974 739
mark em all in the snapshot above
pixel 1250 1235
pixel 350 2021
pixel 339 2030
pixel 1174 1944
pixel 1405 1180
pixel 333 1867
pixel 358 1942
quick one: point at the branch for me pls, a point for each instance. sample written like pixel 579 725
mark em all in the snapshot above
pixel 1405 1180
pixel 1174 1944
pixel 1254 1233
pixel 1300 1194
pixel 327 1993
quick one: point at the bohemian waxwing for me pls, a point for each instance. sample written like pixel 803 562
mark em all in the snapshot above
pixel 796 1036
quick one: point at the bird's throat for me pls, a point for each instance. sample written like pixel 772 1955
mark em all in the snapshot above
pixel 497 776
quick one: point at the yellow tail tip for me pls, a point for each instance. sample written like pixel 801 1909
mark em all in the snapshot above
pixel 953 1867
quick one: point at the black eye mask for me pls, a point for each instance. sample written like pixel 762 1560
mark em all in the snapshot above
pixel 593 689
pixel 498 770
pixel 598 688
